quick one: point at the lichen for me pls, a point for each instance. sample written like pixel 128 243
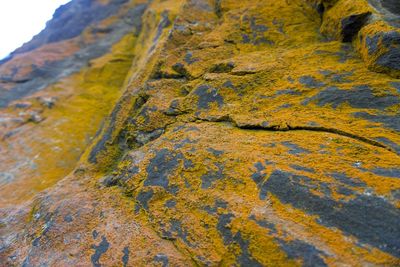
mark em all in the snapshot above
pixel 234 133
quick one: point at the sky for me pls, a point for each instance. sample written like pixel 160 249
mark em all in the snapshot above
pixel 20 20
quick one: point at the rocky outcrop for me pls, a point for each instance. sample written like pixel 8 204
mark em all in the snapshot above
pixel 240 133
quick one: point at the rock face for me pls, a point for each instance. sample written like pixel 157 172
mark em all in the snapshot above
pixel 204 132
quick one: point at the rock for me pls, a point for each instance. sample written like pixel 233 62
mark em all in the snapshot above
pixel 35 117
pixel 199 132
pixel 109 181
pixel 379 45
pixel 345 19
pixel 47 102
pixel 23 105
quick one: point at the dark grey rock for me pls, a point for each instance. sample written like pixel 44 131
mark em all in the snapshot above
pixel 352 25
pixel 161 166
pixel 207 95
pixel 161 258
pixel 125 257
pixel 295 149
pixel 367 217
pixel 99 251
pixel 390 121
pixel 359 97
pixel 302 168
pixel 144 197
pixel 212 175
pixel 393 173
pixel 343 178
pixel 391 5
pixel 296 249
pixel 311 82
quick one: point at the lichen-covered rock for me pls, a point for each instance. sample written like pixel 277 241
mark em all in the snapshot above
pixel 345 19
pixel 240 133
pixel 379 46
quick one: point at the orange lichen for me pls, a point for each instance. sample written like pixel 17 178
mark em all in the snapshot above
pixel 241 137
pixel 370 32
pixel 57 143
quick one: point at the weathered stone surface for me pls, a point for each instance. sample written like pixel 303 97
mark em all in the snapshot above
pixel 240 133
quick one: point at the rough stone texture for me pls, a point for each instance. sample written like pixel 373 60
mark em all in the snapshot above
pixel 240 133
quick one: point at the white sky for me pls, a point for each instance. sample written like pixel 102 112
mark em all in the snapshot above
pixel 20 20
